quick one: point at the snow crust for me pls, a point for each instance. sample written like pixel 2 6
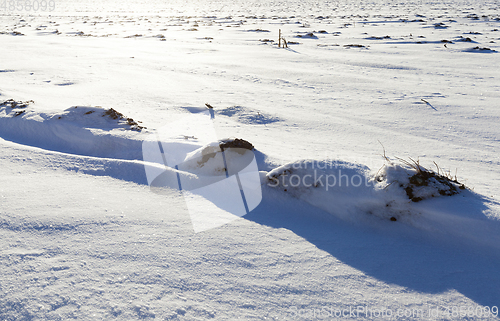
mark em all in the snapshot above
pixel 84 236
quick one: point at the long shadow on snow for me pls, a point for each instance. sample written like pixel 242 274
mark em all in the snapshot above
pixel 391 252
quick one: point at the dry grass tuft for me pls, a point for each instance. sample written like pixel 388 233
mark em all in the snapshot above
pixel 425 183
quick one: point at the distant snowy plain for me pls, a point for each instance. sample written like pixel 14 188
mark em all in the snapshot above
pixel 83 236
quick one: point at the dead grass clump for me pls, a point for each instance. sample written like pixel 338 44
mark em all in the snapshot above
pixel 483 49
pixel 235 143
pixel 421 183
pixel 354 46
pixel 113 114
pixel 442 182
pixel 16 104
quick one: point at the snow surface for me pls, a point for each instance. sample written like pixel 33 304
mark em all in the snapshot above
pixel 84 237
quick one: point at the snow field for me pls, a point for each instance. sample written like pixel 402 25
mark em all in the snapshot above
pixel 84 237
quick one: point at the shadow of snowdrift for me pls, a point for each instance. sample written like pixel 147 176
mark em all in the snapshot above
pixel 459 253
pixel 248 116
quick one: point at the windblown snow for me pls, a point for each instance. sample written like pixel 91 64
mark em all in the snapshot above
pixel 172 161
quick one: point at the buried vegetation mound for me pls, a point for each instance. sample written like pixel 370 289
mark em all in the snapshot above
pixel 113 114
pixel 17 105
pixel 98 116
pixel 78 114
pixel 418 182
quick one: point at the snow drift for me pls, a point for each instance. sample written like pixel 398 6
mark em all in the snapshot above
pixel 360 195
pixel 104 142
pixel 81 130
pixel 346 189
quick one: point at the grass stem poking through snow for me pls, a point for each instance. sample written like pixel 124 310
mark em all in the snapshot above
pixel 281 40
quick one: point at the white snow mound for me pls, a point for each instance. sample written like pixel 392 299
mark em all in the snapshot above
pixel 89 131
pixel 353 191
pixel 344 189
